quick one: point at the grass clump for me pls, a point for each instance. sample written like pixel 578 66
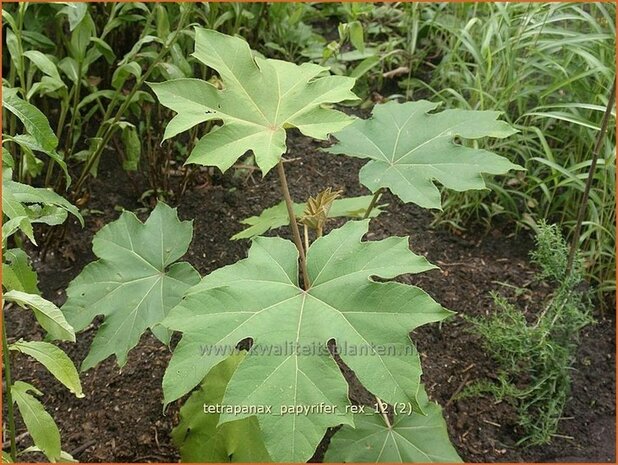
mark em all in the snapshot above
pixel 549 68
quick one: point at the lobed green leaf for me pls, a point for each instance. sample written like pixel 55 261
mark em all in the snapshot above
pixel 260 298
pixel 260 99
pixel 410 148
pixel 412 438
pixel 134 283
pixel 198 435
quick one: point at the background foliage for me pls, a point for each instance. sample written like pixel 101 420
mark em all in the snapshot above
pixel 548 67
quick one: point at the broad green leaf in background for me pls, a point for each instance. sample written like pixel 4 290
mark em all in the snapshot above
pixel 39 423
pixel 17 223
pixel 413 438
pixel 123 72
pixel 55 360
pixel 32 118
pixel 14 49
pixel 17 274
pixel 29 143
pixel 47 314
pixel 44 63
pixel 277 216
pixel 365 66
pixel 104 49
pixel 78 45
pixel 45 86
pixel 260 298
pixel 409 148
pixel 28 195
pixel 48 214
pixel 70 68
pixel 75 12
pixel 134 283
pixel 198 437
pixel 23 205
pixel 260 99
pixel 357 35
pixel 8 19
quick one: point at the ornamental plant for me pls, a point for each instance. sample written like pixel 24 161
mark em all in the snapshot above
pixel 22 206
pixel 298 303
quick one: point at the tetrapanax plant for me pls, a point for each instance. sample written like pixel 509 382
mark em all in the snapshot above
pixel 262 297
pixel 134 284
pixel 410 148
pixel 299 301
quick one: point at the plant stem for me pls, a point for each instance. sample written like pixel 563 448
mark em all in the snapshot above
pixel 374 201
pixel 595 156
pixel 293 224
pixel 69 145
pixel 64 106
pixel 8 382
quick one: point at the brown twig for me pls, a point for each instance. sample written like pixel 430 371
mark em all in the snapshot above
pixel 83 447
pixel 458 390
pixel 18 438
pixel 595 156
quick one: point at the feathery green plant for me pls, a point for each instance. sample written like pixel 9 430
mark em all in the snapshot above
pixel 535 359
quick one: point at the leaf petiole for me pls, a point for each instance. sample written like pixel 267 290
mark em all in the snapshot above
pixel 293 223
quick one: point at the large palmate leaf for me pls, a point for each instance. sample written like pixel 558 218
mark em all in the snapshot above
pixel 289 364
pixel 412 438
pixel 260 99
pixel 409 148
pixel 134 283
pixel 277 215
pixel 198 437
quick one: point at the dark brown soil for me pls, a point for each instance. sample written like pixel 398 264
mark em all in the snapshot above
pixel 121 417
